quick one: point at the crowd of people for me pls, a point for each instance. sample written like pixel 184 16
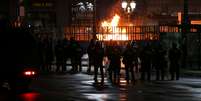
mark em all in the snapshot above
pixel 62 51
pixel 142 60
pixel 136 59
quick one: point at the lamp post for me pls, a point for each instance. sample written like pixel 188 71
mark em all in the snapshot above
pixel 185 30
pixel 128 7
pixel 94 19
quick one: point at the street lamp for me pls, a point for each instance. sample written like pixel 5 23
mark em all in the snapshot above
pixel 128 6
pixel 124 5
pixel 133 5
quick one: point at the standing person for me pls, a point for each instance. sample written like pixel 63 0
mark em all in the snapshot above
pixel 128 60
pixel 156 60
pixel 145 57
pixel 159 61
pixel 98 63
pixel 75 55
pixel 59 55
pixel 49 54
pixel 66 53
pixel 115 64
pixel 91 54
pixel 72 52
pixel 174 57
pixel 42 51
pixel 79 54
pixel 163 61
pixel 135 68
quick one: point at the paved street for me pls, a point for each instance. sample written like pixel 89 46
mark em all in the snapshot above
pixel 80 87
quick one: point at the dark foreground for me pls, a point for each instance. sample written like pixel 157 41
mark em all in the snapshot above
pixel 80 87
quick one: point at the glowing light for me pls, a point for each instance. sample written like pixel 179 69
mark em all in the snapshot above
pixel 123 30
pixel 111 27
pixel 133 5
pixel 81 6
pixel 128 9
pixel 179 17
pixel 29 96
pixel 89 6
pixel 124 4
pixel 113 23
pixel 197 22
pixel 27 73
pixel 123 81
pixel 115 20
pixel 107 37
pixel 97 97
pixel 105 24
pixel 33 73
pixel 29 26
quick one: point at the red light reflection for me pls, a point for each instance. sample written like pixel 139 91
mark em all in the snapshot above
pixel 32 96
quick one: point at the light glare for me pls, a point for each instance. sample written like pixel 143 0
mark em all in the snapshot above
pixel 133 5
pixel 124 4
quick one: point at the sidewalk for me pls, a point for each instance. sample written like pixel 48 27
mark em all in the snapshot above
pixel 191 73
pixel 57 87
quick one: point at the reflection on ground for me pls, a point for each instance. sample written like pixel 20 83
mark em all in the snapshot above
pixel 81 87
pixel 30 96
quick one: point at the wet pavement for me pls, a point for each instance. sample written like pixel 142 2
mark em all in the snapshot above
pixel 81 87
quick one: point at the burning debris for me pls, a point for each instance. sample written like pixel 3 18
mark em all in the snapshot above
pixel 111 27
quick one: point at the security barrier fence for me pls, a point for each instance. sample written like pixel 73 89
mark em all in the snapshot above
pixel 166 34
pixel 120 33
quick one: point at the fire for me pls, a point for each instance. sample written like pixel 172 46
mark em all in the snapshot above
pixel 115 20
pixel 108 37
pixel 113 23
pixel 112 27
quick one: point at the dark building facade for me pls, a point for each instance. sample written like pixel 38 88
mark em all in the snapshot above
pixel 53 16
pixel 60 13
pixel 9 8
pixel 47 16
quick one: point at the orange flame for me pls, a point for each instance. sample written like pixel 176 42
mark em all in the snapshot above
pixel 115 20
pixel 111 27
pixel 113 23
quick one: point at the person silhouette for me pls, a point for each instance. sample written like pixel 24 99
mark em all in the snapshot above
pixel 174 57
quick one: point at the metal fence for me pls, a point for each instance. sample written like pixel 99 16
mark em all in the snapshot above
pixel 120 33
pixel 194 47
pixel 166 34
